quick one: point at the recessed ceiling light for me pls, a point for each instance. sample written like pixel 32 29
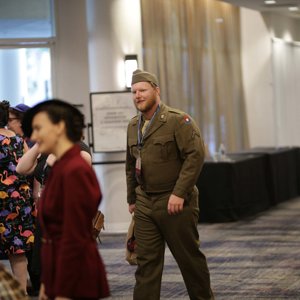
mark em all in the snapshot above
pixel 293 8
pixel 270 1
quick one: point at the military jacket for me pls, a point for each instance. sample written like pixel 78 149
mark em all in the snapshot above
pixel 172 154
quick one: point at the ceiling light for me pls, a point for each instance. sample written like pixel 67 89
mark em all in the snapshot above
pixel 270 1
pixel 293 8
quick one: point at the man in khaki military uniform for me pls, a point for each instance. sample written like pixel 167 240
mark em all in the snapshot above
pixel 165 154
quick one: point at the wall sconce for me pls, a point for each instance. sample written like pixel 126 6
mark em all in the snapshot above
pixel 131 65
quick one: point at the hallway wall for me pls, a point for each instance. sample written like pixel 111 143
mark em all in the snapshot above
pixel 263 111
pixel 92 38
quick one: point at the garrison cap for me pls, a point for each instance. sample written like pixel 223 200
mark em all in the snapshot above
pixel 143 76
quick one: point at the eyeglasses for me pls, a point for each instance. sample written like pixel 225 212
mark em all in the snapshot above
pixel 11 119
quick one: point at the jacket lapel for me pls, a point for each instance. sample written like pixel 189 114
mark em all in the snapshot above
pixel 159 120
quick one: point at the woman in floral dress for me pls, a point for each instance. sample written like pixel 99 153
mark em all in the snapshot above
pixel 16 211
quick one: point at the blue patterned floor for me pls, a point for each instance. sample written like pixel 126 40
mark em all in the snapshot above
pixel 257 258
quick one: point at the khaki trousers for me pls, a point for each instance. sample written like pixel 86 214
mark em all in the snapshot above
pixel 153 228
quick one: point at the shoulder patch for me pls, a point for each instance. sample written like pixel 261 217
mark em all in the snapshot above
pixel 187 119
pixel 181 116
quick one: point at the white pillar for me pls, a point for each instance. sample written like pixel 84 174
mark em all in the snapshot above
pixel 114 30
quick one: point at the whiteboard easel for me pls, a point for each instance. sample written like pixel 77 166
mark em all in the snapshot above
pixel 110 114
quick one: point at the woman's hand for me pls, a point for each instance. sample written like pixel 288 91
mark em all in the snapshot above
pixel 28 161
pixel 42 295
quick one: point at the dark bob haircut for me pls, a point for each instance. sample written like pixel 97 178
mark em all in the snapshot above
pixel 57 110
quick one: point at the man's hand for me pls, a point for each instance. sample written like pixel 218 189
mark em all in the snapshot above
pixel 175 205
pixel 131 208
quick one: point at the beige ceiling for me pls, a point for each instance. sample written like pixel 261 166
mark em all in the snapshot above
pixel 281 6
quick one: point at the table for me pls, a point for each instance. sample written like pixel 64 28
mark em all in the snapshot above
pixel 297 150
pixel 281 169
pixel 232 190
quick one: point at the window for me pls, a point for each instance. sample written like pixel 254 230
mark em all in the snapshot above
pixel 26 36
pixel 26 19
pixel 25 75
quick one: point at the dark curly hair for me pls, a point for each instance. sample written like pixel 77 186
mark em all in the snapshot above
pixel 19 115
pixel 57 110
pixel 4 112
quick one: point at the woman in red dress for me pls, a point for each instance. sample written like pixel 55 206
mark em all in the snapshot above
pixel 71 265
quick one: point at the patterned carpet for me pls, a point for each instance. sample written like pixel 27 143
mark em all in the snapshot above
pixel 257 258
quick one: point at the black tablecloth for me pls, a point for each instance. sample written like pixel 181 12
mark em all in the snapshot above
pixel 281 170
pixel 229 191
pixel 297 150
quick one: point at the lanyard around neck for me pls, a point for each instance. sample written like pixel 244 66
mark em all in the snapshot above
pixel 140 134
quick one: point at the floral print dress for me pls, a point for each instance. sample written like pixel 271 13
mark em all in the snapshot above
pixel 16 206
